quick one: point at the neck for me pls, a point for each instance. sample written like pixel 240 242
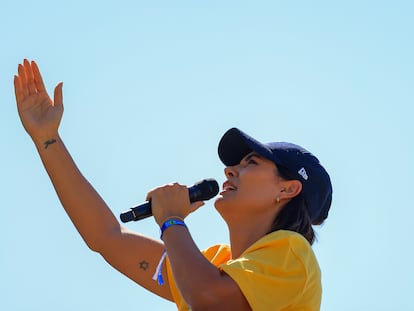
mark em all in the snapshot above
pixel 244 234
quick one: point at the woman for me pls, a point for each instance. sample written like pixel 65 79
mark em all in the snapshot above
pixel 272 196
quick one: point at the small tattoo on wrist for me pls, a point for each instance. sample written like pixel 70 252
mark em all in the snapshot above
pixel 143 265
pixel 49 142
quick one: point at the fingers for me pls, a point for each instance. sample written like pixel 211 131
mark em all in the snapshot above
pixel 169 200
pixel 29 77
pixel 38 80
pixel 18 89
pixel 26 85
pixel 58 97
pixel 31 80
pixel 23 79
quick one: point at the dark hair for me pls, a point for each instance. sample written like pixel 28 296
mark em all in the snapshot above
pixel 294 216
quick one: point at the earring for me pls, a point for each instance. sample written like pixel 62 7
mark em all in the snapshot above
pixel 277 200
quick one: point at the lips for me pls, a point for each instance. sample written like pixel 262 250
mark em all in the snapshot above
pixel 227 186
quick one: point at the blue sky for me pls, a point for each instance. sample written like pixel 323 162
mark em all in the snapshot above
pixel 150 87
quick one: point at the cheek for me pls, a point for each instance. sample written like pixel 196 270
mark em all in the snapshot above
pixel 259 193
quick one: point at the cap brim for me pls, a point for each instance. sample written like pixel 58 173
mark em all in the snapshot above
pixel 235 145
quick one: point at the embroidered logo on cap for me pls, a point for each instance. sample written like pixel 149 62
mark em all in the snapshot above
pixel 302 172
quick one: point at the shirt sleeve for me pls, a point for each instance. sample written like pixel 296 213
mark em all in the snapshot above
pixel 216 254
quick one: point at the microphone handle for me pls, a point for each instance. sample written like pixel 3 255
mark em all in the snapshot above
pixel 144 210
pixel 139 212
pixel 201 191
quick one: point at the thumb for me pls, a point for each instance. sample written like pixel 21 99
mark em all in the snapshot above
pixel 58 97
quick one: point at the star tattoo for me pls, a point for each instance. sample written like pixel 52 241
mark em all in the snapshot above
pixel 143 265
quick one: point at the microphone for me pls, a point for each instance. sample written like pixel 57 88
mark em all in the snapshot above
pixel 200 191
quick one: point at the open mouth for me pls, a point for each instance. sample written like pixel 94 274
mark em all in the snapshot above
pixel 227 186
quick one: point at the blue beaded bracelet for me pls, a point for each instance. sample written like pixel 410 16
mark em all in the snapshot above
pixel 171 222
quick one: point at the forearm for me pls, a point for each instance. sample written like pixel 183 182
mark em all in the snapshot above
pixel 89 213
pixel 199 281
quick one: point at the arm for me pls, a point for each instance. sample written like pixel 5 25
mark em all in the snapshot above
pixel 99 228
pixel 202 285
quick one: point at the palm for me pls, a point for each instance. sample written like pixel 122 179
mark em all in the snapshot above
pixel 39 114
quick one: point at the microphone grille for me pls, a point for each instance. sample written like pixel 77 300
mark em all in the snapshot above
pixel 205 189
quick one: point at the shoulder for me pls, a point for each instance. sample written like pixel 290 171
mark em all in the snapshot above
pixel 281 258
pixel 283 249
pixel 279 270
pixel 284 240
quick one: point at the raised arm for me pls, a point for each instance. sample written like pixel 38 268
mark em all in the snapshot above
pixel 132 254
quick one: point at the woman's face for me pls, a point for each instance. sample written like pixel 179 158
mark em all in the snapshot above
pixel 251 188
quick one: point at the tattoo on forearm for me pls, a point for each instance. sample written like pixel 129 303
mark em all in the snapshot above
pixel 143 265
pixel 49 142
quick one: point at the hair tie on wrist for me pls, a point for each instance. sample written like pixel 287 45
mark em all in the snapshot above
pixel 172 221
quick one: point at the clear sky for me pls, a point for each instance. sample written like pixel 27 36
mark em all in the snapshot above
pixel 150 87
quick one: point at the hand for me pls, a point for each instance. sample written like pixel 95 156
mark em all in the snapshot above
pixel 171 200
pixel 39 114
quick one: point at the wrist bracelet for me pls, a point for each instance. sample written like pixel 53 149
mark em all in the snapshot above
pixel 173 221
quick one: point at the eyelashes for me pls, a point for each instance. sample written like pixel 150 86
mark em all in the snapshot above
pixel 251 161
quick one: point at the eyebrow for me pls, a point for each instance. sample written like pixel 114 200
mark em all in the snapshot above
pixel 252 155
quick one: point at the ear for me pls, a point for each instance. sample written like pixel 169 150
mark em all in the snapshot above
pixel 291 188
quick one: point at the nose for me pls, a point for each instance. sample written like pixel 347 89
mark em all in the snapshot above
pixel 230 171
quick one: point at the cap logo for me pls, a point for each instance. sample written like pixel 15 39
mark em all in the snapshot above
pixel 302 172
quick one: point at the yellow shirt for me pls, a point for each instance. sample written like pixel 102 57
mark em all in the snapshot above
pixel 278 272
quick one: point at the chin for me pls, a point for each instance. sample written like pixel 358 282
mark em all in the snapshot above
pixel 222 208
pixel 223 204
pixel 220 203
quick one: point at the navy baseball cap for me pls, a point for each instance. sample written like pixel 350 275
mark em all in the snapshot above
pixel 316 184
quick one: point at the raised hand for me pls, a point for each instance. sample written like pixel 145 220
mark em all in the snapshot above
pixel 39 114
